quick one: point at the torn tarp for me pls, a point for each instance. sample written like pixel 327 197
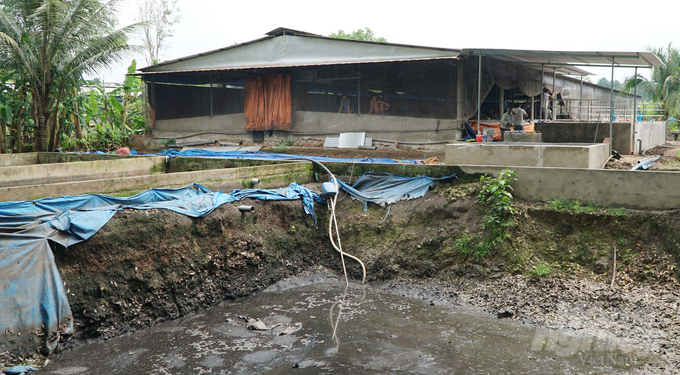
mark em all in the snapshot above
pixel 34 309
pixel 385 188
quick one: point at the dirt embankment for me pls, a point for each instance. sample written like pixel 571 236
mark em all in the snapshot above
pixel 554 270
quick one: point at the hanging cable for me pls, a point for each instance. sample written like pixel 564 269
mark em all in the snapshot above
pixel 332 220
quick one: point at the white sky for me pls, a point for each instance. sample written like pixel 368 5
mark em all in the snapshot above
pixel 576 25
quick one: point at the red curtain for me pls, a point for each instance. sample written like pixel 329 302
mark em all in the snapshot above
pixel 268 102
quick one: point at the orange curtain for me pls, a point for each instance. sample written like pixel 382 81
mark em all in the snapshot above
pixel 268 102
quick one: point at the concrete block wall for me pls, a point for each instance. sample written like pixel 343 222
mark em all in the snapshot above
pixel 8 160
pixel 652 133
pixel 643 190
pixel 307 124
pixel 584 132
pixel 592 156
pixel 40 174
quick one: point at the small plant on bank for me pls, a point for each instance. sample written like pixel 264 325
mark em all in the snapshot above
pixel 574 206
pixel 541 269
pixel 496 196
pixel 283 145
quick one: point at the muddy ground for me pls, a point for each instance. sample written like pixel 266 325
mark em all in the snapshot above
pixel 554 270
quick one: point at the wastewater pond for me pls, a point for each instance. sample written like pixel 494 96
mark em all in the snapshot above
pixel 326 328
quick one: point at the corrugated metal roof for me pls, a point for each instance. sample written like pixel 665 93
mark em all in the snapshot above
pixel 569 60
pixel 290 50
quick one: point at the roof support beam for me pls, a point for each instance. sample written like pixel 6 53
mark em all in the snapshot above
pixel 611 111
pixel 479 94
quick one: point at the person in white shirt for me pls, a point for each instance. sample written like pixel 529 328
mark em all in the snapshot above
pixel 506 119
pixel 518 116
pixel 545 108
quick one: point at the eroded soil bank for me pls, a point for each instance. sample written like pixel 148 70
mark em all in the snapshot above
pixel 554 271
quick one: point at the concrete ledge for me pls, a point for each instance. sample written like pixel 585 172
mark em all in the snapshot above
pixel 8 160
pixel 511 137
pixel 591 156
pixel 36 174
pixel 270 176
pixel 642 190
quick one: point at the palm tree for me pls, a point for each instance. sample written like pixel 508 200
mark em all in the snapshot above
pixel 51 44
pixel 664 85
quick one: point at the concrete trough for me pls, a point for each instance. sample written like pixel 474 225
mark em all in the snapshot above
pixel 215 179
pixel 552 155
pixel 40 174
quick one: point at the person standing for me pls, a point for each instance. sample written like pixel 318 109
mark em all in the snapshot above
pixel 518 116
pixel 545 107
pixel 506 119
pixel 344 104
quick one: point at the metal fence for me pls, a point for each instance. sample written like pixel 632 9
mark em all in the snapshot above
pixel 600 110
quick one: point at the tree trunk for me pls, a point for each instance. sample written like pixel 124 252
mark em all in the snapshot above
pixel 19 140
pixel 54 132
pixel 76 124
pixel 126 100
pixel 42 135
pixel 3 138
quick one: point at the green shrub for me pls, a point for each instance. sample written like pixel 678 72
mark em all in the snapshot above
pixel 541 269
pixel 574 206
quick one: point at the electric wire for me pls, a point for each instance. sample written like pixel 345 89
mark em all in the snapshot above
pixel 332 220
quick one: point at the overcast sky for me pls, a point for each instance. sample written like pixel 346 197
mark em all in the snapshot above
pixel 575 25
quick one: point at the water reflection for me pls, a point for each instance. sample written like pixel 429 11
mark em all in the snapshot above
pixel 344 330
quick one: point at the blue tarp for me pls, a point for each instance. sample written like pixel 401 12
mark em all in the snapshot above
pixel 34 308
pixel 385 188
pixel 32 295
pixel 269 156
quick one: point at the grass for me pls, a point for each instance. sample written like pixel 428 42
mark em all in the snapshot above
pixel 574 206
pixel 472 246
pixel 618 212
pixel 541 269
pixel 283 145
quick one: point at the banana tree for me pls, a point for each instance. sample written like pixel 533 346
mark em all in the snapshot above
pixel 52 43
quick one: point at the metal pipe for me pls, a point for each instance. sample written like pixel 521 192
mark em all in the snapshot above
pixel 542 96
pixel 246 208
pixel 479 93
pixel 580 100
pixel 639 141
pixel 635 107
pixel 611 110
pixel 554 115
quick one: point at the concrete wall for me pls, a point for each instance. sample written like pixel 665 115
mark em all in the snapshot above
pixel 37 174
pixel 592 156
pixel 392 128
pixel 233 122
pixel 652 133
pixel 643 190
pixel 7 160
pixel 584 132
pixel 217 179
pixel 318 125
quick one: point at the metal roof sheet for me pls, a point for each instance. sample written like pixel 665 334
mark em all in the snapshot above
pixel 567 60
pixel 291 50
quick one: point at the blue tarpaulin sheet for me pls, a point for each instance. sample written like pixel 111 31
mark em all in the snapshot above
pixel 34 309
pixel 269 156
pixel 385 188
